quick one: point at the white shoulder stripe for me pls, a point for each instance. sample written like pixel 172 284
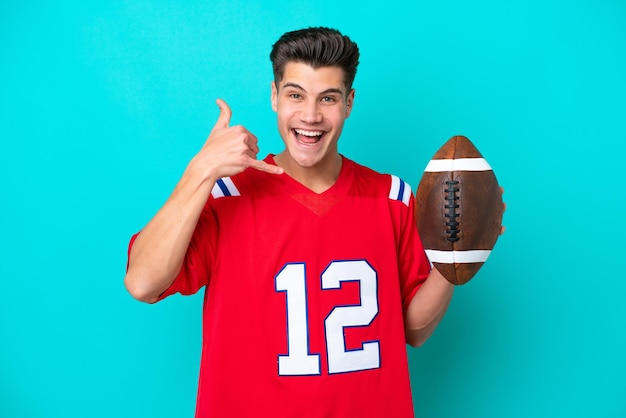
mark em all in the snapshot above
pixel 461 164
pixel 452 257
pixel 400 190
pixel 224 187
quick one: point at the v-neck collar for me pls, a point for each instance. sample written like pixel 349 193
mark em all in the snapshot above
pixel 318 203
pixel 340 186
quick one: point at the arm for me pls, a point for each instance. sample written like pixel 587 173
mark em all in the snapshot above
pixel 429 305
pixel 427 308
pixel 158 252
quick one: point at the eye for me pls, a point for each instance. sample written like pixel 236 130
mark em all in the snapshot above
pixel 328 99
pixel 295 96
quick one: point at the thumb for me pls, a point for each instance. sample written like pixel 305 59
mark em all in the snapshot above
pixel 225 113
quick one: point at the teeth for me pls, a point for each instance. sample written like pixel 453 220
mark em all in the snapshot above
pixel 308 133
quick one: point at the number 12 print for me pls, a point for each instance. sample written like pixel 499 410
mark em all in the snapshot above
pixel 299 360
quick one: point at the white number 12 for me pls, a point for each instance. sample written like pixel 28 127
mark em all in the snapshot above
pixel 299 361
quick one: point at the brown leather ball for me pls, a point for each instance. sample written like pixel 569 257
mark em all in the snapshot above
pixel 459 210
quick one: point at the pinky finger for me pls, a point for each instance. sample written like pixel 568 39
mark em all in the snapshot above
pixel 268 168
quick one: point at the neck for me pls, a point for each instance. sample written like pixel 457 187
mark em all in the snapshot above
pixel 318 178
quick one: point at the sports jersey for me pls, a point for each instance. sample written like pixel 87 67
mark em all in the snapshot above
pixel 304 297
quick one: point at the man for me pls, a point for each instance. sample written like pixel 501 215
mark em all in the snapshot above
pixel 314 272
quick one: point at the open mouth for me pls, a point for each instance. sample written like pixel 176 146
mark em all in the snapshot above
pixel 308 138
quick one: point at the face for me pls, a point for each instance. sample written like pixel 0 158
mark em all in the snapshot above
pixel 311 106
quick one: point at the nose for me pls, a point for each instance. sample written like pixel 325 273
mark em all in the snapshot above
pixel 311 112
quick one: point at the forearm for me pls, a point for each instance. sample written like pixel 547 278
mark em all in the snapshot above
pixel 159 250
pixel 427 308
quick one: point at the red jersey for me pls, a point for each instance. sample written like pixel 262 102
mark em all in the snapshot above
pixel 303 309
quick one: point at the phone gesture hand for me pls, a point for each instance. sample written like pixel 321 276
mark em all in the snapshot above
pixel 229 150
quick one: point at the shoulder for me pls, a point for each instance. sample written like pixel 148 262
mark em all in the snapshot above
pixel 225 187
pixel 372 182
pixel 240 185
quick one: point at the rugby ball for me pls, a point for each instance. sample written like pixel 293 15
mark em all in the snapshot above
pixel 458 210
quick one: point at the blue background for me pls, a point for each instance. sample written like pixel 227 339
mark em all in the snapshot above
pixel 103 105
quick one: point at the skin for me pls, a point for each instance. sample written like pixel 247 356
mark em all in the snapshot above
pixel 311 107
pixel 311 101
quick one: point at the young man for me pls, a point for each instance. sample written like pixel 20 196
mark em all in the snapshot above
pixel 314 272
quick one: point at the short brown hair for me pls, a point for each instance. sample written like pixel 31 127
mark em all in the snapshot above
pixel 317 47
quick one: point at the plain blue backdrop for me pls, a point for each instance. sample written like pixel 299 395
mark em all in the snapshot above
pixel 103 105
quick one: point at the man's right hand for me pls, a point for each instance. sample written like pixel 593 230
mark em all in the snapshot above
pixel 229 150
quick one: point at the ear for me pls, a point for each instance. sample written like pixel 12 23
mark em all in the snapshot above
pixel 349 103
pixel 274 97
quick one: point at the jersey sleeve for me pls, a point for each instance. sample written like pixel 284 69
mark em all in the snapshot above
pixel 413 263
pixel 195 271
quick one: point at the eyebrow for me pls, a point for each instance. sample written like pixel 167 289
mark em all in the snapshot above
pixel 299 87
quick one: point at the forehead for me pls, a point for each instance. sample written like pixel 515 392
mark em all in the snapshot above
pixel 313 79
